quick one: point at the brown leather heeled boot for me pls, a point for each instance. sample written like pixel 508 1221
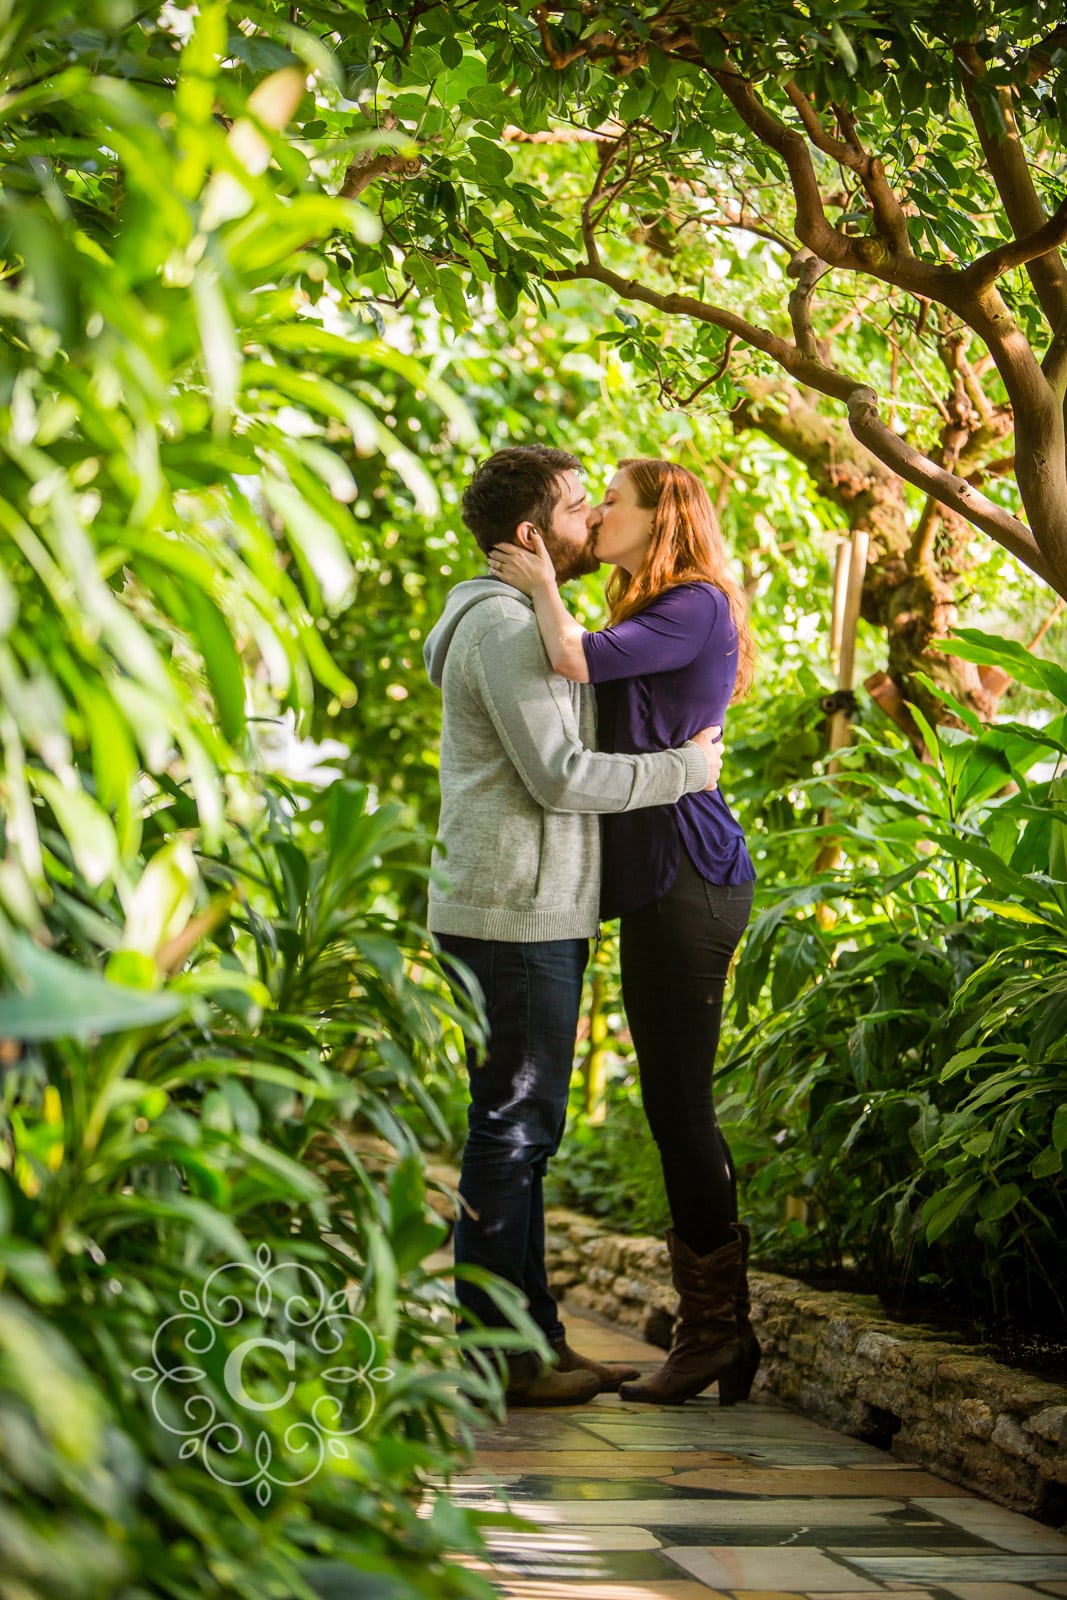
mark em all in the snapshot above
pixel 737 1385
pixel 706 1347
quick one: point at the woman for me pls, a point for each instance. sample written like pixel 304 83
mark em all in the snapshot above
pixel 676 651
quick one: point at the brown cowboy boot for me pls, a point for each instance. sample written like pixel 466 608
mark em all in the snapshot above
pixel 706 1346
pixel 609 1374
pixel 737 1385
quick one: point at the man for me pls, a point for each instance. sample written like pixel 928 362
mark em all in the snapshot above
pixel 521 789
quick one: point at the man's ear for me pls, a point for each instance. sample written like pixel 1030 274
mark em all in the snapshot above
pixel 524 535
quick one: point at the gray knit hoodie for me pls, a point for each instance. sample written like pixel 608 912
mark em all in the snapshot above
pixel 520 785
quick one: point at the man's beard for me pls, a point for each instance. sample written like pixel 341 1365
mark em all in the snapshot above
pixel 568 561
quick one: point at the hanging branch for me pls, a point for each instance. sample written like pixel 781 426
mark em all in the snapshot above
pixel 861 401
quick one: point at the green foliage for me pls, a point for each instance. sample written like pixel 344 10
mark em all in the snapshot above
pixel 909 1065
pixel 894 1079
pixel 238 413
pixel 140 1160
pixel 209 996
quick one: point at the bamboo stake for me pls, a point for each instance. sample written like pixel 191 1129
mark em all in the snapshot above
pixel 595 1064
pixel 841 720
pixel 837 615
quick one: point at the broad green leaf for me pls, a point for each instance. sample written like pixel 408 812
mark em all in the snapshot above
pixel 1047 1164
pixel 218 339
pixel 88 828
pixel 221 660
pixel 942 1209
pixel 796 960
pixel 31 1271
pixel 314 540
pixel 163 900
pixel 987 649
pixel 1013 912
pixel 844 48
pixel 997 1202
pixel 55 999
pixel 1059 1128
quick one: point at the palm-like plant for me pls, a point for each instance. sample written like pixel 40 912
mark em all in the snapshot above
pixel 203 979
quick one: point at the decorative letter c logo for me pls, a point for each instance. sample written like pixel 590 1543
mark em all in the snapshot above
pixel 235 1361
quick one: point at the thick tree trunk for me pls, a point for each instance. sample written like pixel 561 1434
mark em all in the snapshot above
pixel 905 592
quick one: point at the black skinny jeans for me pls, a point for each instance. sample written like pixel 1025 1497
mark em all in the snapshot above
pixel 675 956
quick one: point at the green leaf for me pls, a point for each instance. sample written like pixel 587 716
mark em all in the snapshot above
pixel 1058 838
pixel 844 48
pixel 1059 1128
pixel 221 660
pixel 31 1270
pixel 450 299
pixel 797 959
pixel 969 718
pixel 988 650
pixel 1047 1164
pixel 494 163
pixel 324 558
pixel 997 1202
pixel 942 1209
pixel 163 900
pixel 86 825
pixel 55 999
pixel 218 341
pixel 451 52
pixel 1011 911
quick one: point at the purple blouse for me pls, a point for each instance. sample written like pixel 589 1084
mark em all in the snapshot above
pixel 660 677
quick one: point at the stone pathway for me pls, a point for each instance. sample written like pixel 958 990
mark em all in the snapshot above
pixel 633 1502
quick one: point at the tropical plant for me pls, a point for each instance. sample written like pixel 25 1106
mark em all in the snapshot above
pixel 910 1067
pixel 159 1138
pixel 894 1080
pixel 208 992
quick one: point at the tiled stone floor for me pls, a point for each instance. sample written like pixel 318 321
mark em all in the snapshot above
pixel 632 1502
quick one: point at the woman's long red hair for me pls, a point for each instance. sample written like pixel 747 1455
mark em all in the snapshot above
pixel 686 546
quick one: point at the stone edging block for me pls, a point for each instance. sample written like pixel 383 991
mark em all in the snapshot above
pixel 927 1399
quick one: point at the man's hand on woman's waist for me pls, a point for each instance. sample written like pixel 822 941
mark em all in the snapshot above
pixel 710 741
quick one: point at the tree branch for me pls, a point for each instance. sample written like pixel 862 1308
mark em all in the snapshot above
pixel 889 218
pixel 1040 62
pixel 807 269
pixel 921 550
pixel 810 372
pixel 812 227
pixel 836 148
pixel 1010 169
pixel 1016 253
pixel 954 492
pixel 680 402
pixel 862 403
pixel 1054 366
pixel 559 60
pixel 386 163
pixel 887 254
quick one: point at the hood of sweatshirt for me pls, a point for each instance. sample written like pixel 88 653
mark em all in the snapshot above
pixel 461 600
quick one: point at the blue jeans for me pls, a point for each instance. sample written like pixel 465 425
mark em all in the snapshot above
pixel 517 1111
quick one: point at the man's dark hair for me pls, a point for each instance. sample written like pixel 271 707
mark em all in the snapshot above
pixel 519 484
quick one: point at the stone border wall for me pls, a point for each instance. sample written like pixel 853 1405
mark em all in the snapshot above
pixel 926 1399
